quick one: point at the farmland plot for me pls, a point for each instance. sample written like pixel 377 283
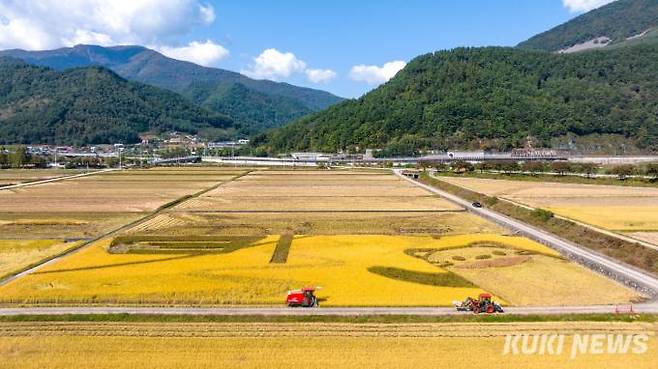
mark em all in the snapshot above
pixel 616 208
pixel 352 270
pixel 18 176
pixel 84 208
pixel 276 345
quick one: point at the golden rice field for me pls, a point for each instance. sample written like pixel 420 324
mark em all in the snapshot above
pixel 367 270
pixel 540 279
pixel 278 345
pixel 18 254
pixel 617 208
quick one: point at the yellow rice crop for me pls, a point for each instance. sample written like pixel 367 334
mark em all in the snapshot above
pixel 339 264
pixel 18 254
pixel 258 345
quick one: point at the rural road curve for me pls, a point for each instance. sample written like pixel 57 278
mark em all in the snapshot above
pixel 592 260
pixel 332 311
pixel 57 179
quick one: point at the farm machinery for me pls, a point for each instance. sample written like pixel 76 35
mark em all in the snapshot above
pixel 302 298
pixel 483 304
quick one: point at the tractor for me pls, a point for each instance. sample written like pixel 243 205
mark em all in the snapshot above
pixel 302 298
pixel 484 304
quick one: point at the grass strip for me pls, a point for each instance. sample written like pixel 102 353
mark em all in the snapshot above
pixel 282 249
pixel 465 318
pixel 443 279
pixel 539 177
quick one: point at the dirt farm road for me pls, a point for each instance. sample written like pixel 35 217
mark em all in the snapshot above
pixel 57 179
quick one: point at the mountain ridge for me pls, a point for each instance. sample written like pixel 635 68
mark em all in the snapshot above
pixel 617 21
pixel 140 64
pixel 90 105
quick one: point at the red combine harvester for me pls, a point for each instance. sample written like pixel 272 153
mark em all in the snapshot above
pixel 302 298
pixel 483 304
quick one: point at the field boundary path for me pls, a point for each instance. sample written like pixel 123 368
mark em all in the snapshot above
pixel 331 311
pixel 592 260
pixel 51 180
pixel 32 268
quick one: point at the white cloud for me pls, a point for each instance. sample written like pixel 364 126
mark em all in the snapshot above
pixel 374 74
pixel 47 24
pixel 576 6
pixel 320 75
pixel 203 53
pixel 274 64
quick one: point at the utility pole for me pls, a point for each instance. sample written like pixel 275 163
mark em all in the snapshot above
pixel 120 157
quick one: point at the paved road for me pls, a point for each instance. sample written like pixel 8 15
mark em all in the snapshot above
pixel 595 261
pixel 332 311
pixel 51 180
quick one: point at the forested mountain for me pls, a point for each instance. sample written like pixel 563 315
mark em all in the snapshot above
pixel 254 104
pixel 90 105
pixel 491 98
pixel 617 21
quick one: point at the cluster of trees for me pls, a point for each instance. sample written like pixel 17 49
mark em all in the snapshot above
pixel 20 157
pixel 491 98
pixel 89 106
pixel 622 171
pixel 253 110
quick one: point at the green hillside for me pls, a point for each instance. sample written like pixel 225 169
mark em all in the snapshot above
pixel 256 111
pixel 89 106
pixel 618 21
pixel 491 98
pixel 253 104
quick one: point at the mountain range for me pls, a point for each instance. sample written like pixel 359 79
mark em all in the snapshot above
pixel 252 104
pixel 549 88
pixel 593 77
pixel 91 105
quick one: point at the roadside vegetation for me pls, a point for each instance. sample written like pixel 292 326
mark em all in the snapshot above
pixel 636 175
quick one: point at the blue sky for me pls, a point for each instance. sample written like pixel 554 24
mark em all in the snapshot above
pixel 345 47
pixel 340 34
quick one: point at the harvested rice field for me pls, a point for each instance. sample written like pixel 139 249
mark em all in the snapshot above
pixel 114 193
pixel 352 270
pixel 651 237
pixel 615 208
pixel 277 345
pixel 18 176
pixel 179 224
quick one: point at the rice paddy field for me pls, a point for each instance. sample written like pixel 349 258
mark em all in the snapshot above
pixel 18 254
pixel 616 208
pixel 241 237
pixel 17 176
pixel 352 270
pixel 37 222
pixel 327 345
